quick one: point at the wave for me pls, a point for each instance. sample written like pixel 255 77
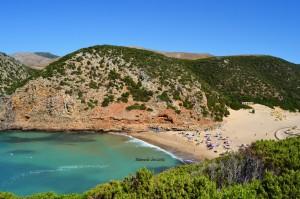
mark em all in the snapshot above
pixel 59 169
pixel 66 168
pixel 141 143
pixel 82 167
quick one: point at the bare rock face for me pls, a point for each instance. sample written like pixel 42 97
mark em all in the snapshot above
pixel 110 89
pixel 36 106
pixel 7 115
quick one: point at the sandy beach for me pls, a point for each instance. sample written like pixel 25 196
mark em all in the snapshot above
pixel 239 129
pixel 176 144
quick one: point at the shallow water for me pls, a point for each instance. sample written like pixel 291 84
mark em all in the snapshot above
pixel 32 162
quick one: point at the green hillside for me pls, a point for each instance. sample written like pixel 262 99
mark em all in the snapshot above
pixel 224 80
pixel 261 79
pixel 268 169
pixel 13 74
pixel 205 85
pixel 146 75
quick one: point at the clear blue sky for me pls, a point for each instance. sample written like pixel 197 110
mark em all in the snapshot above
pixel 219 27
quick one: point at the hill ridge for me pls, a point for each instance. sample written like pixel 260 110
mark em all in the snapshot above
pixel 115 87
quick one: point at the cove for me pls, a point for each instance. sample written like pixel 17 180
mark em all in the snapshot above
pixel 32 162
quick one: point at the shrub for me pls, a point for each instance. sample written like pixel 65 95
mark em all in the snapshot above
pixel 164 97
pixel 107 100
pixel 136 107
pixel 93 85
pixel 138 92
pixel 124 97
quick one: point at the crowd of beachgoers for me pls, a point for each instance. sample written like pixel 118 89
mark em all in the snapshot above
pixel 237 131
pixel 215 142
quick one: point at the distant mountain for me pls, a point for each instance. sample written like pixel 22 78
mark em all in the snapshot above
pixel 185 55
pixel 13 74
pixel 179 55
pixel 36 60
pixel 47 55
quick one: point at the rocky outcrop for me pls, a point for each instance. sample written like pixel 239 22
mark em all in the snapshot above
pixel 37 106
pixel 7 114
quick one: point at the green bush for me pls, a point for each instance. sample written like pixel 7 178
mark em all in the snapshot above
pixel 113 75
pixel 187 104
pixel 136 107
pixel 165 97
pixel 93 85
pixel 107 100
pixel 138 92
pixel 124 97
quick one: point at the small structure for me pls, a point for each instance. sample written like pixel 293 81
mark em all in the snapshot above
pixel 247 103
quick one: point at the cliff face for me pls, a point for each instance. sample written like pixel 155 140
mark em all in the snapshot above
pixel 108 88
pixel 7 116
pixel 41 107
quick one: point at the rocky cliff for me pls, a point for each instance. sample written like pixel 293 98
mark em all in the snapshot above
pixel 109 88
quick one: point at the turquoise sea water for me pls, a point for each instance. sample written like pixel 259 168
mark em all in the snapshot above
pixel 32 162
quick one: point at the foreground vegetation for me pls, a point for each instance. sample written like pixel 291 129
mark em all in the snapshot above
pixel 267 169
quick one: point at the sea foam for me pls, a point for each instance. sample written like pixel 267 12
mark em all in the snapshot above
pixel 141 143
pixel 58 169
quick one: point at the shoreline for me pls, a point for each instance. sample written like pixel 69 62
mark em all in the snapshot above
pixel 237 131
pixel 62 130
pixel 166 140
pixel 183 156
pixel 176 154
pixel 153 145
